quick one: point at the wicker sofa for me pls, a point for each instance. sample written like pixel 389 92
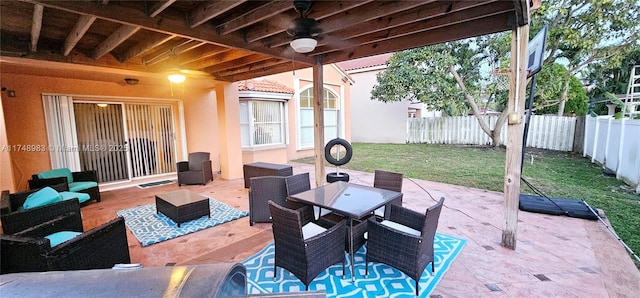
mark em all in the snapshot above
pixel 81 181
pixel 24 247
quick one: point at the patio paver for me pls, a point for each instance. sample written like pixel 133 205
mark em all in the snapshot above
pixel 555 256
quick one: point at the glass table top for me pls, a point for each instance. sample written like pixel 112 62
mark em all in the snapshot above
pixel 349 199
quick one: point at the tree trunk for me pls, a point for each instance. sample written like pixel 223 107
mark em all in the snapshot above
pixel 564 97
pixel 476 111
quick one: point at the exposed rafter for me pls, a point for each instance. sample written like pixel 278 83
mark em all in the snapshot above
pixel 36 26
pixel 238 39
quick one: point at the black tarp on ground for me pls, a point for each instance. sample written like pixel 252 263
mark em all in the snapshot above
pixel 569 207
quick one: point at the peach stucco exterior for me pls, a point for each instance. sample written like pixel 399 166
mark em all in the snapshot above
pixel 299 81
pixel 206 115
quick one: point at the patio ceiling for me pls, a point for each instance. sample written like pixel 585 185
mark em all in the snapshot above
pixel 233 40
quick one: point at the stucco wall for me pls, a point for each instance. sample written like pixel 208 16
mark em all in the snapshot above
pixel 374 121
pixel 300 81
pixel 24 115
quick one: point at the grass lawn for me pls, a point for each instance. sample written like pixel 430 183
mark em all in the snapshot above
pixel 556 174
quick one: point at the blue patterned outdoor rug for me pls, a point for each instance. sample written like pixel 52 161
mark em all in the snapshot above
pixel 383 280
pixel 151 228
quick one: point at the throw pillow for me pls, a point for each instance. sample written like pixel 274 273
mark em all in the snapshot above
pixel 44 196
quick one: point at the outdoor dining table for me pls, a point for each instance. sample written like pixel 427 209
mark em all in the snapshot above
pixel 353 201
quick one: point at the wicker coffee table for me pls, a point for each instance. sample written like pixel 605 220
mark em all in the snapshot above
pixel 182 205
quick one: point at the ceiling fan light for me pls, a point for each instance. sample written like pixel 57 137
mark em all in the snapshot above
pixel 303 44
pixel 176 78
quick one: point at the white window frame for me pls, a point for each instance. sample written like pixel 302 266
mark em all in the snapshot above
pixel 339 109
pixel 251 124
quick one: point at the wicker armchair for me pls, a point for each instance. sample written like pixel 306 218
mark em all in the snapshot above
pixel 29 251
pixel 82 181
pixel 305 257
pixel 195 171
pixel 389 181
pixel 264 189
pixel 66 213
pixel 409 250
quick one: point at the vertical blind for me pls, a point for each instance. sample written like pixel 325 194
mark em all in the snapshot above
pixel 101 140
pixel 151 139
pixel 261 122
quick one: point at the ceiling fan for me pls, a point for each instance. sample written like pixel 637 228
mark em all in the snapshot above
pixel 305 31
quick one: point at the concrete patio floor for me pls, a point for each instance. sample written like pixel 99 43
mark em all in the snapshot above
pixel 555 256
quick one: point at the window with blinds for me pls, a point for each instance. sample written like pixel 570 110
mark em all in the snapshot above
pixel 261 122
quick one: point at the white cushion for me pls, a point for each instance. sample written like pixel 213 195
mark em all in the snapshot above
pixel 309 230
pixel 399 227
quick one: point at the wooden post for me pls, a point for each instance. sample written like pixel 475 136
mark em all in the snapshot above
pixel 318 120
pixel 515 106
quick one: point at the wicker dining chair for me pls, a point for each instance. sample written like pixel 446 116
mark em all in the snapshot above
pixel 262 190
pixel 389 181
pixel 305 248
pixel 405 240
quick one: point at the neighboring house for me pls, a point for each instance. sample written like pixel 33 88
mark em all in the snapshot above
pixel 374 121
pixel 57 115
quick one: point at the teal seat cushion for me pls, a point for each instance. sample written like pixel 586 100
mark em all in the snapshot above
pixel 55 173
pixel 44 196
pixel 59 237
pixel 82 197
pixel 82 185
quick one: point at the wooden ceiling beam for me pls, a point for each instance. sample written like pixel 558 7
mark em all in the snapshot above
pixel 344 20
pixel 36 26
pixel 253 16
pixel 319 10
pixel 78 31
pixel 487 25
pixel 247 68
pixel 201 53
pixel 237 63
pixel 263 71
pixel 210 9
pixel 167 25
pixel 146 45
pixel 171 51
pixel 157 7
pixel 462 16
pixel 115 39
pixel 407 17
pixel 217 59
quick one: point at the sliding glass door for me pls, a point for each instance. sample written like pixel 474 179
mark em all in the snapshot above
pixel 101 141
pixel 122 141
pixel 151 139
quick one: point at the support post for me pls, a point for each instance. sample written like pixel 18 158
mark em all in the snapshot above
pixel 318 121
pixel 513 160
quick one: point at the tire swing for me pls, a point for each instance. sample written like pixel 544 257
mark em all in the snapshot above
pixel 338 160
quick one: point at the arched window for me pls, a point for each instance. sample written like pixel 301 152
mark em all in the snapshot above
pixel 331 116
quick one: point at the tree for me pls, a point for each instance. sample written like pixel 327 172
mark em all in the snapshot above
pixel 613 75
pixel 549 89
pixel 445 77
pixel 581 33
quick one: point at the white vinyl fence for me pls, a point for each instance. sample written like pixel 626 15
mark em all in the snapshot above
pixel 615 144
pixel 545 131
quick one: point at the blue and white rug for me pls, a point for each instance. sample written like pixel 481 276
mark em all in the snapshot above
pixel 151 228
pixel 383 280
